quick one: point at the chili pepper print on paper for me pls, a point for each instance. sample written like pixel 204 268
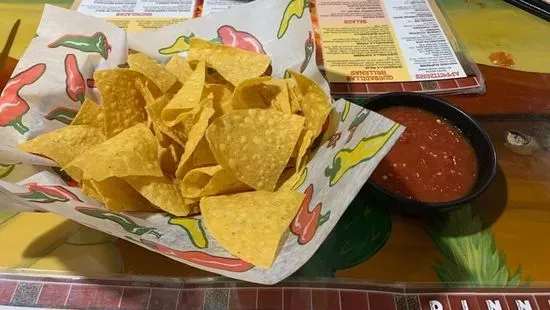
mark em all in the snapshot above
pixel 47 194
pixel 12 106
pixel 96 43
pixel 333 140
pixel 203 259
pixel 123 221
pixel 301 180
pixel 240 39
pixel 181 44
pixel 346 159
pixel 295 8
pixel 75 83
pixel 358 120
pixel 61 114
pixel 308 51
pixel 344 114
pixel 306 222
pixel 6 169
pixel 193 228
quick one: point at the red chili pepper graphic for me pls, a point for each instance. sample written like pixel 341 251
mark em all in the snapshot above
pixel 308 50
pixel 334 139
pixel 240 39
pixel 203 259
pixel 53 190
pixel 90 83
pixel 75 84
pixel 306 222
pixel 12 106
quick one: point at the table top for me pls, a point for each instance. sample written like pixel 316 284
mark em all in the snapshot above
pixel 498 240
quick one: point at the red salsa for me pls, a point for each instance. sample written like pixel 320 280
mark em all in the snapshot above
pixel 431 162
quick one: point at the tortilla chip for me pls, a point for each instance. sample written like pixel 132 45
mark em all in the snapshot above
pixel 294 98
pixel 276 92
pixel 248 94
pixel 180 68
pixel 210 181
pixel 305 141
pixel 251 225
pixel 221 100
pixel 124 106
pixel 186 103
pixel 314 104
pixel 65 144
pixel 132 152
pixel 169 158
pixel 255 145
pixel 90 114
pixel 154 108
pixel 117 195
pixel 162 78
pixel 203 154
pixel 195 136
pixel 89 190
pixel 233 64
pixel 162 193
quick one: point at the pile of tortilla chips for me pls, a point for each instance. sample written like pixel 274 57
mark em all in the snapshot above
pixel 210 134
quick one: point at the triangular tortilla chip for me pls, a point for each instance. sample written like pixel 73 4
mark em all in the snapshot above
pixel 117 195
pixel 186 103
pixel 124 105
pixel 149 67
pixel 65 144
pixel 196 134
pixel 255 145
pixel 90 114
pixel 209 181
pixel 179 67
pixel 132 152
pixel 162 193
pixel 233 64
pixel 251 225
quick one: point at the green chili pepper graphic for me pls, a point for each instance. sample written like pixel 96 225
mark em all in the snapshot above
pixel 61 114
pixel 40 197
pixel 126 223
pixel 96 43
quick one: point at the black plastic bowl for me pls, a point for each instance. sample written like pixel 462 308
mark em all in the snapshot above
pixel 486 156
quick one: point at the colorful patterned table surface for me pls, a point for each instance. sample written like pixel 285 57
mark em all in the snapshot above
pixel 498 240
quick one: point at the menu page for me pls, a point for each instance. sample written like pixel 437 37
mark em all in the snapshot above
pixel 368 41
pixel 140 15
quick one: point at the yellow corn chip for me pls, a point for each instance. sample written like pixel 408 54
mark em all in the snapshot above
pixel 186 103
pixel 276 92
pixel 162 193
pixel 233 64
pixel 64 144
pixel 180 68
pixel 294 98
pixel 154 108
pixel 169 158
pixel 117 195
pixel 195 135
pixel 209 181
pixel 221 98
pixel 203 154
pixel 132 152
pixel 162 78
pixel 251 225
pixel 124 105
pixel 255 145
pixel 314 104
pixel 248 94
pixel 89 190
pixel 90 114
pixel 305 141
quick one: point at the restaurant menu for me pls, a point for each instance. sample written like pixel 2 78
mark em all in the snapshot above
pixel 364 47
pixel 142 15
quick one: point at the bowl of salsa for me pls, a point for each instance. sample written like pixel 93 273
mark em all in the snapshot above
pixel 443 160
